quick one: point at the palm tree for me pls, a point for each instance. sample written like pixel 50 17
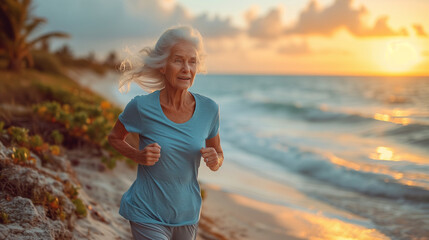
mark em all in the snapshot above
pixel 111 60
pixel 16 26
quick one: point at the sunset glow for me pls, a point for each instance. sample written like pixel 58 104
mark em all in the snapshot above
pixel 315 37
pixel 400 56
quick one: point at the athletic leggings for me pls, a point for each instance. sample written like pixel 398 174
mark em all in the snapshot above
pixel 149 231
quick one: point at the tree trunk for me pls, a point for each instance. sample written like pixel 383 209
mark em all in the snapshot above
pixel 15 65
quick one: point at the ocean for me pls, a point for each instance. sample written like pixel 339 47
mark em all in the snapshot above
pixel 358 144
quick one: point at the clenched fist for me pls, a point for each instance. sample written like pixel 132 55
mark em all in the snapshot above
pixel 211 158
pixel 149 155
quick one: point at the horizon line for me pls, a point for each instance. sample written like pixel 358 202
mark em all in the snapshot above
pixel 317 74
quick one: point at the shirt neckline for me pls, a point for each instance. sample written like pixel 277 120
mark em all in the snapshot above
pixel 165 116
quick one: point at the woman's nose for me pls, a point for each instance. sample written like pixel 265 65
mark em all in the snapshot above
pixel 186 67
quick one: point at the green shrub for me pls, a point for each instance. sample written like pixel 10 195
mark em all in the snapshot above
pixel 4 218
pixel 36 142
pixel 18 135
pixel 80 208
pixel 46 62
pixel 22 156
pixel 57 137
pixel 109 162
pixel 70 190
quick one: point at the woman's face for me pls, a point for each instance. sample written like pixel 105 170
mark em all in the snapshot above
pixel 181 66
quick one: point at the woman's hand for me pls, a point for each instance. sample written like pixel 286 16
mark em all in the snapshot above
pixel 149 155
pixel 211 158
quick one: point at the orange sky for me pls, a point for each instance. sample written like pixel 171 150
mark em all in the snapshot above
pixel 360 37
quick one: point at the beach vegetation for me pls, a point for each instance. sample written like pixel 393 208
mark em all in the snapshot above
pixel 36 143
pixel 109 162
pixel 57 137
pixel 54 206
pixel 18 135
pixel 22 156
pixel 45 61
pixel 4 218
pixel 80 211
pixel 55 150
pixel 71 190
pixel 67 115
pixel 44 113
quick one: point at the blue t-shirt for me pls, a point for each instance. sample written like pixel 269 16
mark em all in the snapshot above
pixel 168 192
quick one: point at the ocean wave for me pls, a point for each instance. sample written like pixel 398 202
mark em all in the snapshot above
pixel 413 133
pixel 311 113
pixel 320 167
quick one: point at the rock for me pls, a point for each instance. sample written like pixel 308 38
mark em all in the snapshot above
pixel 59 163
pixel 29 183
pixel 21 185
pixel 29 222
pixel 21 210
pixel 4 151
pixel 4 231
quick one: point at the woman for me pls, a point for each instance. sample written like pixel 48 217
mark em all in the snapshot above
pixel 176 128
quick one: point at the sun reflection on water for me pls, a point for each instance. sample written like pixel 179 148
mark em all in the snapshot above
pixel 384 153
pixel 397 116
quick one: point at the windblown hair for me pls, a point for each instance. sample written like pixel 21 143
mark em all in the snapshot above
pixel 146 71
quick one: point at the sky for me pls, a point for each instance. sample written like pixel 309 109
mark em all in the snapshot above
pixel 315 37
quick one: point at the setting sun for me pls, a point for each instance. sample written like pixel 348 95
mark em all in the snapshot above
pixel 400 56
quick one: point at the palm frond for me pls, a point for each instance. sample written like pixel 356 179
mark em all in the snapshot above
pixel 47 36
pixel 30 27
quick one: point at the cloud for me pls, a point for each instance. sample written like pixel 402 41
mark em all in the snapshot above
pixel 116 19
pixel 420 31
pixel 176 14
pixel 303 48
pixel 295 49
pixel 315 20
pixel 380 29
pixel 335 51
pixel 215 27
pixel 262 45
pixel 268 26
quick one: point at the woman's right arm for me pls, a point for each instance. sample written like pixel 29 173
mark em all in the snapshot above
pixel 148 156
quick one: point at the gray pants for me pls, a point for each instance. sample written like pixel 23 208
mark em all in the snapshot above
pixel 149 231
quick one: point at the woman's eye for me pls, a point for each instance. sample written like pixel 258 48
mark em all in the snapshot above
pixel 178 60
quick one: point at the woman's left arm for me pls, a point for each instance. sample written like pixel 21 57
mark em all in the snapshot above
pixel 212 153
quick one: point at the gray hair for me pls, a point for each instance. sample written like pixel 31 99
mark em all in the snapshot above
pixel 147 72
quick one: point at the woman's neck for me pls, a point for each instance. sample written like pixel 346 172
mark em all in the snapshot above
pixel 175 98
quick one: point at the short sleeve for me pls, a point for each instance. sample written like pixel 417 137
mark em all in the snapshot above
pixel 130 117
pixel 214 129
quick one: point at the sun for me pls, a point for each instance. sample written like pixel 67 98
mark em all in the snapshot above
pixel 399 56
